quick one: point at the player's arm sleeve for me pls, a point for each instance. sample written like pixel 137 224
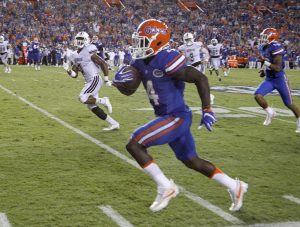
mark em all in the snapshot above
pixel 277 51
pixel 173 61
pixel 190 74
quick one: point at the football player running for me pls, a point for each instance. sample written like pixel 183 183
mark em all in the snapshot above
pixel 195 53
pixel 215 53
pixel 88 62
pixel 35 46
pixel 163 73
pixel 273 69
pixel 4 54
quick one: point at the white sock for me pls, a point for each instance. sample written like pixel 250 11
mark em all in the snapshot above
pixel 225 180
pixel 157 175
pixel 269 110
pixel 110 120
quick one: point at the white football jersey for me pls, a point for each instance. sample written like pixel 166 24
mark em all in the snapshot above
pixel 3 47
pixel 215 51
pixel 192 52
pixel 84 61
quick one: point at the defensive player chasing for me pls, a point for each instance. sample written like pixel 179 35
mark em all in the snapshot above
pixel 196 54
pixel 163 73
pixel 3 54
pixel 215 53
pixel 273 68
pixel 88 62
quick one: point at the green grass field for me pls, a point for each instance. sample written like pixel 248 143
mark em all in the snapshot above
pixel 57 166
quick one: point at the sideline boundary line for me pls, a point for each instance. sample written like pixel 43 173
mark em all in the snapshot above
pixel 206 204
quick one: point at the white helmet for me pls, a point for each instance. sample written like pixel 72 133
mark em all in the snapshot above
pixel 188 39
pixel 214 41
pixel 82 39
pixel 1 38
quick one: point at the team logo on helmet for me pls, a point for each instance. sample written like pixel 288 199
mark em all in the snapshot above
pixel 154 30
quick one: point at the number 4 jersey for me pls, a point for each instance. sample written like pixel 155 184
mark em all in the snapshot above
pixel 165 94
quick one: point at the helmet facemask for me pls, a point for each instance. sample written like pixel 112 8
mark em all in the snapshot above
pixel 140 48
pixel 81 40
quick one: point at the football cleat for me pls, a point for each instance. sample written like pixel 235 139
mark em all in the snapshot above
pixel 9 70
pixel 164 195
pixel 298 126
pixel 112 127
pixel 269 118
pixel 238 195
pixel 107 104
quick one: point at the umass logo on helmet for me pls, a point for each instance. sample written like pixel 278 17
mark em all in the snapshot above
pixel 154 30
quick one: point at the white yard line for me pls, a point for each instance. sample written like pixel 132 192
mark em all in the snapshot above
pixel 254 114
pixel 292 198
pixel 218 211
pixel 4 220
pixel 275 224
pixel 115 216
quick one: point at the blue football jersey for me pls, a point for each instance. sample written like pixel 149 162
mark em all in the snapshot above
pixel 165 94
pixel 269 52
pixel 35 47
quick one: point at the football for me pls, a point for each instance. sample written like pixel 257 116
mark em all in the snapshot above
pixel 127 80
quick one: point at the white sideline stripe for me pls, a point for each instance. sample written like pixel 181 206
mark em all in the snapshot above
pixel 254 114
pixel 4 221
pixel 292 198
pixel 76 130
pixel 115 216
pixel 218 211
pixel 210 206
pixel 275 224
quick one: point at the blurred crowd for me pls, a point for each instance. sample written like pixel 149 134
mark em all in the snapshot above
pixel 237 24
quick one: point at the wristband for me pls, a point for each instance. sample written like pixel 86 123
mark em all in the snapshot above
pixel 105 78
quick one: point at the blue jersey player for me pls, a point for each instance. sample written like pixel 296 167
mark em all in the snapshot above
pixel 273 69
pixel 35 53
pixel 164 73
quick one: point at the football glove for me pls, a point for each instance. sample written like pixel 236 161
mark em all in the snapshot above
pixel 107 81
pixel 208 119
pixel 122 76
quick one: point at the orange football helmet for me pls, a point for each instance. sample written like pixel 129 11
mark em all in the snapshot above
pixel 268 35
pixel 151 37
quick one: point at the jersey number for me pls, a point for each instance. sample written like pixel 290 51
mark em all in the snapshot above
pixel 191 57
pixel 151 93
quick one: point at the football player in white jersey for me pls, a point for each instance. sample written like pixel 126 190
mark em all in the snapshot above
pixel 4 54
pixel 196 54
pixel 215 56
pixel 88 62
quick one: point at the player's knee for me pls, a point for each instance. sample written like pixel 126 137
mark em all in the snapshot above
pixel 83 98
pixel 132 146
pixel 257 97
pixel 91 106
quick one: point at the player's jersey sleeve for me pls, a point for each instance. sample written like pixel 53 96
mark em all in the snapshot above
pixel 276 48
pixel 92 48
pixel 173 61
